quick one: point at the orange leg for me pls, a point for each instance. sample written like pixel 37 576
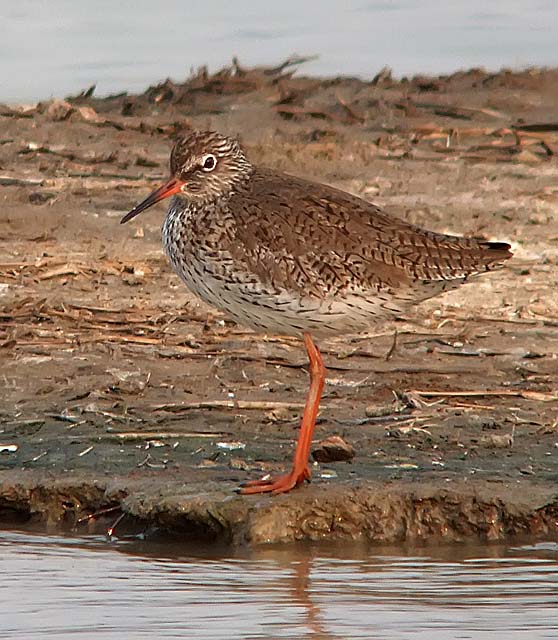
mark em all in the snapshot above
pixel 300 470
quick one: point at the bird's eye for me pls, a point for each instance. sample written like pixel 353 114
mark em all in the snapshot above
pixel 209 162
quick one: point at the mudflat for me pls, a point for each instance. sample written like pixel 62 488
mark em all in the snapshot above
pixel 120 392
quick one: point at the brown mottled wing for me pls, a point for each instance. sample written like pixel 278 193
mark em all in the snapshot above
pixel 310 237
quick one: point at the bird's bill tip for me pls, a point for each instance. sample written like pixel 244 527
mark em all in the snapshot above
pixel 171 186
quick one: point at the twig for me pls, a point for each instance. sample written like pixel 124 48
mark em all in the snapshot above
pixel 66 270
pixel 231 404
pixel 516 393
pixel 110 530
pixel 85 451
pixel 119 338
pixel 151 435
pixel 289 62
pixel 8 181
pixel 96 514
pixel 393 347
pixel 549 322
pixel 292 111
pixel 37 457
pixel 353 115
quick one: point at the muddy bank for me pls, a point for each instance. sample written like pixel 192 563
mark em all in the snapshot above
pixel 396 511
pixel 121 390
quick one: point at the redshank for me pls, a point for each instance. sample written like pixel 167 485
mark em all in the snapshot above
pixel 283 255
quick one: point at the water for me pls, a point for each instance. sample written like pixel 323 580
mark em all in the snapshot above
pixel 75 588
pixel 59 47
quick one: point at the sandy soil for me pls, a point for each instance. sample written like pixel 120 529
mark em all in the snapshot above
pixel 121 391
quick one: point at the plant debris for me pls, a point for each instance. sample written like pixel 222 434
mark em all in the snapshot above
pixel 121 392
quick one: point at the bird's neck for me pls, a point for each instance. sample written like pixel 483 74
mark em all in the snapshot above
pixel 183 211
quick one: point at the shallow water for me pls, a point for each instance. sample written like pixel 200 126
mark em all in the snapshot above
pixel 61 47
pixel 83 588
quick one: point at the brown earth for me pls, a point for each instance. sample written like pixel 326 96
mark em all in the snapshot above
pixel 121 391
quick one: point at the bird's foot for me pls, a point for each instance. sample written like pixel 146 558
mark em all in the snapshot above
pixel 278 484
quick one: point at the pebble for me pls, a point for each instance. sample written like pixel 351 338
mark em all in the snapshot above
pixel 333 449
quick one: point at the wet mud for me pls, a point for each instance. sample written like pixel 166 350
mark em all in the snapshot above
pixel 120 392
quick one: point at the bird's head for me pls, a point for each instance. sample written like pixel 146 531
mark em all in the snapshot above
pixel 204 166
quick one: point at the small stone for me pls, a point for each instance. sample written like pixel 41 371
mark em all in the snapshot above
pixel 133 382
pixel 378 411
pixel 280 414
pixel 134 275
pixel 382 410
pixel 496 441
pixel 59 110
pixel 154 444
pixel 326 474
pixel 231 446
pixel 527 470
pixel 8 448
pixel 132 279
pixel 528 157
pixel 89 114
pixel 239 464
pixel 207 463
pixel 41 197
pixel 333 449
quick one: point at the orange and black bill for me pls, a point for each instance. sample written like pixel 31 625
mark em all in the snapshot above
pixel 170 187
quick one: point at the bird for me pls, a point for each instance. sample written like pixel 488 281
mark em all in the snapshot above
pixel 287 256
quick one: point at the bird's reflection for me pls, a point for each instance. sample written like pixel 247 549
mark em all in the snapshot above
pixel 300 593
